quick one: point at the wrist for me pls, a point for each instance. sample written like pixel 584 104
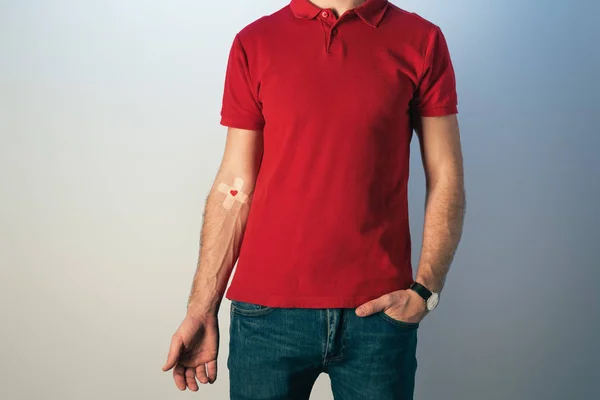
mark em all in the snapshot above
pixel 205 297
pixel 429 283
pixel 203 318
pixel 200 312
pixel 198 307
pixel 429 297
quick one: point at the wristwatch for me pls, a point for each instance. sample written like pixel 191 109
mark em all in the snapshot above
pixel 431 298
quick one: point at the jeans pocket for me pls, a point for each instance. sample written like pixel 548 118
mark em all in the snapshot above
pixel 249 309
pixel 397 322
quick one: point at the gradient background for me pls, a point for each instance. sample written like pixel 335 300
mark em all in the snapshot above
pixel 110 141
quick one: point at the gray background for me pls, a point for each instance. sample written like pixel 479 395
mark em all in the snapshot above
pixel 110 141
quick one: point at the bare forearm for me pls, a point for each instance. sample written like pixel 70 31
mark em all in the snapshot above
pixel 444 216
pixel 220 242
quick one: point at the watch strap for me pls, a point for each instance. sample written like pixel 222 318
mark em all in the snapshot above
pixel 421 290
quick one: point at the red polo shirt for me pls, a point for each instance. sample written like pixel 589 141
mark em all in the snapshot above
pixel 328 224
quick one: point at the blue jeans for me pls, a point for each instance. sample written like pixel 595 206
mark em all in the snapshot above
pixel 278 353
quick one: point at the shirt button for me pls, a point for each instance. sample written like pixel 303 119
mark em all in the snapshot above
pixel 334 31
pixel 325 14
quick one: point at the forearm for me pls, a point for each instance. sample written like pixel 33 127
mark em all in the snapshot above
pixel 444 216
pixel 220 241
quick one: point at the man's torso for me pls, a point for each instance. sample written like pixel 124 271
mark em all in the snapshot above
pixel 328 224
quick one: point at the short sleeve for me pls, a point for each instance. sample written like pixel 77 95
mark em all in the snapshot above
pixel 241 108
pixel 436 93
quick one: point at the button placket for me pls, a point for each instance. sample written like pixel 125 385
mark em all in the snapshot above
pixel 330 23
pixel 331 36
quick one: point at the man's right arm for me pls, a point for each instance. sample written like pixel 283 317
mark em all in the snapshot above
pixel 225 216
pixel 194 346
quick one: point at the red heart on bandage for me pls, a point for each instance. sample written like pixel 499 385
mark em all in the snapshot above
pixel 233 192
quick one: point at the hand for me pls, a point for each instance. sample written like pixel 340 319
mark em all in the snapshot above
pixel 403 305
pixel 193 352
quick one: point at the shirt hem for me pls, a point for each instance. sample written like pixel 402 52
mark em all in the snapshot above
pixel 308 301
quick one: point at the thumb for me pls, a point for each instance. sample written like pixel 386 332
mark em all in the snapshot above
pixel 211 367
pixel 371 307
pixel 174 351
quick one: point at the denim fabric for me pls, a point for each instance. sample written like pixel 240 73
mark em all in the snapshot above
pixel 278 353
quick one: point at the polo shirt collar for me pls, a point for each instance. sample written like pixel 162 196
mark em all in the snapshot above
pixel 371 11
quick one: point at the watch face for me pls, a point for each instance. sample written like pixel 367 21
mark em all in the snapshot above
pixel 433 300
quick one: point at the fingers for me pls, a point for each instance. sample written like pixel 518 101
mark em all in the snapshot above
pixel 211 368
pixel 179 376
pixel 190 379
pixel 201 373
pixel 373 306
pixel 174 351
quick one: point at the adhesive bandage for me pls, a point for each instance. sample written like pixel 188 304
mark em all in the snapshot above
pixel 233 193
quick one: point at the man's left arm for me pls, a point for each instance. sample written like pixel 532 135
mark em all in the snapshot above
pixel 444 214
pixel 434 111
pixel 445 203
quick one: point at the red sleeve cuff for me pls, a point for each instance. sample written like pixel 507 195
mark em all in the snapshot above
pixel 438 111
pixel 241 123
